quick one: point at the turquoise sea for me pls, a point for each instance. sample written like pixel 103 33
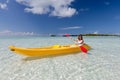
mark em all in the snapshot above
pixel 101 63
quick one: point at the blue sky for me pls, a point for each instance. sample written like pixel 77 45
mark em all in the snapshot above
pixel 29 17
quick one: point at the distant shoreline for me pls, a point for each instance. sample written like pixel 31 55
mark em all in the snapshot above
pixel 59 35
pixel 88 35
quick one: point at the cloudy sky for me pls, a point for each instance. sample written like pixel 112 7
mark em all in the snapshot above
pixel 29 17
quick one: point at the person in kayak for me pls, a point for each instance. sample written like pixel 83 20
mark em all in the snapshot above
pixel 80 43
pixel 80 40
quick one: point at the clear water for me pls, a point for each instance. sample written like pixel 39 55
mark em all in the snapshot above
pixel 102 62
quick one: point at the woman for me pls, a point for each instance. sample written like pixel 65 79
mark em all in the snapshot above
pixel 80 40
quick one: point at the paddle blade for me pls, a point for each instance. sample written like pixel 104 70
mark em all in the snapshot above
pixel 83 49
pixel 67 35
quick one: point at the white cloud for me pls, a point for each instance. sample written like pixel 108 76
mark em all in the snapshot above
pixel 3 6
pixel 11 33
pixel 74 27
pixel 5 32
pixel 60 8
pixel 96 32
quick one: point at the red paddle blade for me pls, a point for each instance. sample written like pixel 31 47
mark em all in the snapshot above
pixel 67 35
pixel 83 49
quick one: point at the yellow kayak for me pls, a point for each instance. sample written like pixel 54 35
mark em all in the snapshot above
pixel 48 51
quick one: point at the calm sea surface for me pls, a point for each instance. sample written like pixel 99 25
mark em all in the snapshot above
pixel 102 62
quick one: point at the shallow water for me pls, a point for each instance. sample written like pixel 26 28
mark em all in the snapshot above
pixel 101 63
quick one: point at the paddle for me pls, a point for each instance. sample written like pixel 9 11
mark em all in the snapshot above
pixel 83 49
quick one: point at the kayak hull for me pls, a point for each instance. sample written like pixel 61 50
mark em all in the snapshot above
pixel 48 51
